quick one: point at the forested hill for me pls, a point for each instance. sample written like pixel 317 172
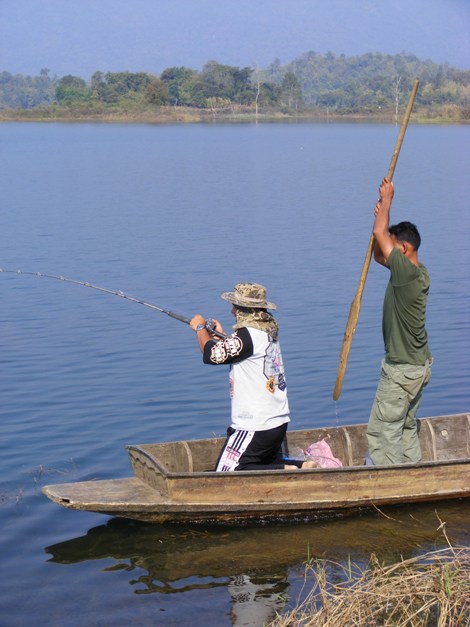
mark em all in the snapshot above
pixel 371 80
pixel 313 82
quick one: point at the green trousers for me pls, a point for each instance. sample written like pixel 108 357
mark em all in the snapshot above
pixel 392 431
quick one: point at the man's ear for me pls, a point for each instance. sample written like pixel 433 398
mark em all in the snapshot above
pixel 406 248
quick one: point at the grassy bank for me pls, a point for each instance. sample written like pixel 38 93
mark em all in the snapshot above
pixel 174 115
pixel 432 589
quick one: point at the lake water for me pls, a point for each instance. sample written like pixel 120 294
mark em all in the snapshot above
pixel 174 215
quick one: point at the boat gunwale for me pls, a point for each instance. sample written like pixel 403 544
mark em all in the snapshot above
pixel 168 474
pixel 277 472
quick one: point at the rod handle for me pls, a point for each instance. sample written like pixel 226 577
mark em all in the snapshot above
pixel 179 317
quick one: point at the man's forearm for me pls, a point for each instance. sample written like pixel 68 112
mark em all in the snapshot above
pixel 382 221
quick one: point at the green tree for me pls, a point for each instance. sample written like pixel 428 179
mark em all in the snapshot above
pixel 26 92
pixel 180 82
pixel 274 74
pixel 269 94
pixel 72 89
pixel 112 86
pixel 98 84
pixel 291 91
pixel 227 82
pixel 156 92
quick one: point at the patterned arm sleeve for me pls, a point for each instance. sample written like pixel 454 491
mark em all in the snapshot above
pixel 231 349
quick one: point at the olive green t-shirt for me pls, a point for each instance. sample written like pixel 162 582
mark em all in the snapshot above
pixel 404 311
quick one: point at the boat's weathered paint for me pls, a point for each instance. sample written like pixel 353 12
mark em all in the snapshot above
pixel 174 482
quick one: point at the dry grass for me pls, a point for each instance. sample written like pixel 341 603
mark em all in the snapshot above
pixel 432 589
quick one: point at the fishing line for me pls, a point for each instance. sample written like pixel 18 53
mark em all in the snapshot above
pixel 210 324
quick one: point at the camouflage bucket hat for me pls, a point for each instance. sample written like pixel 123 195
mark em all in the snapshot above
pixel 251 295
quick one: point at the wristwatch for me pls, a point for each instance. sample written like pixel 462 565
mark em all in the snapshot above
pixel 200 327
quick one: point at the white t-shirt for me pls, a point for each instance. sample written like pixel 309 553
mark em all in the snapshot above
pixel 257 382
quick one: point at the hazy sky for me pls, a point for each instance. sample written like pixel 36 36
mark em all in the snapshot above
pixel 82 36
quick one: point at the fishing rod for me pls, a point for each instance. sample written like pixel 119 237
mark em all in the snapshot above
pixel 210 324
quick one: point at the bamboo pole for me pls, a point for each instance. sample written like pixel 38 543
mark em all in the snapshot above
pixel 356 304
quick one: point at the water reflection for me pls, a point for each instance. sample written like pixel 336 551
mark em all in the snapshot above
pixel 260 566
pixel 256 599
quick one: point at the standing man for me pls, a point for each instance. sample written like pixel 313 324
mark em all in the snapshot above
pixel 392 432
pixel 260 409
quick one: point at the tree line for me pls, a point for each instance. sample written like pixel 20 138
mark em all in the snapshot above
pixel 374 80
pixel 216 86
pixel 314 81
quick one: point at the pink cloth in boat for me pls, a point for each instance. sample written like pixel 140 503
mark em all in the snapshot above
pixel 321 453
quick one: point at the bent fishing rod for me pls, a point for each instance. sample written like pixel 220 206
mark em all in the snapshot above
pixel 210 324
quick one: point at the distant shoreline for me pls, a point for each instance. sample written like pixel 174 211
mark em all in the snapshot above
pixel 182 115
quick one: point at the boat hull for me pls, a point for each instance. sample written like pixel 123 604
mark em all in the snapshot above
pixel 132 498
pixel 172 483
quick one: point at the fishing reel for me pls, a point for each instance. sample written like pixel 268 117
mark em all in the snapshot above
pixel 210 325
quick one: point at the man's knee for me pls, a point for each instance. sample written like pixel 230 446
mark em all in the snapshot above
pixel 385 429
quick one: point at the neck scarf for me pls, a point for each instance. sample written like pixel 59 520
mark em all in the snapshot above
pixel 258 319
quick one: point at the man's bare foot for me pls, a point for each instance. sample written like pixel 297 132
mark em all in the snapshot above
pixel 305 465
pixel 310 464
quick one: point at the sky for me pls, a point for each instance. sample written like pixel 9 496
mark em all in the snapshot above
pixel 80 37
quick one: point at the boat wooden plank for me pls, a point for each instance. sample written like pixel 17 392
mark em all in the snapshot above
pixel 103 493
pixel 327 486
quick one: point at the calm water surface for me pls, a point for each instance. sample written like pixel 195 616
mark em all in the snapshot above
pixel 175 215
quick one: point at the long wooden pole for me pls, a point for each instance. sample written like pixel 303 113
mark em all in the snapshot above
pixel 356 304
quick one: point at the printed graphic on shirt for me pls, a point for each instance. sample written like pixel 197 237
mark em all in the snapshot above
pixel 223 350
pixel 274 368
pixel 271 385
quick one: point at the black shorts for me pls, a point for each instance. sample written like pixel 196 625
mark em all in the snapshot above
pixel 253 450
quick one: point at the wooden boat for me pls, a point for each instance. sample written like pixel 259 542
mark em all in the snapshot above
pixel 174 482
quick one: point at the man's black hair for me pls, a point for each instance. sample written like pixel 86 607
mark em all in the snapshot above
pixel 406 232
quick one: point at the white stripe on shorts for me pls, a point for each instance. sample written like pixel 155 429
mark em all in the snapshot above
pixel 235 447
